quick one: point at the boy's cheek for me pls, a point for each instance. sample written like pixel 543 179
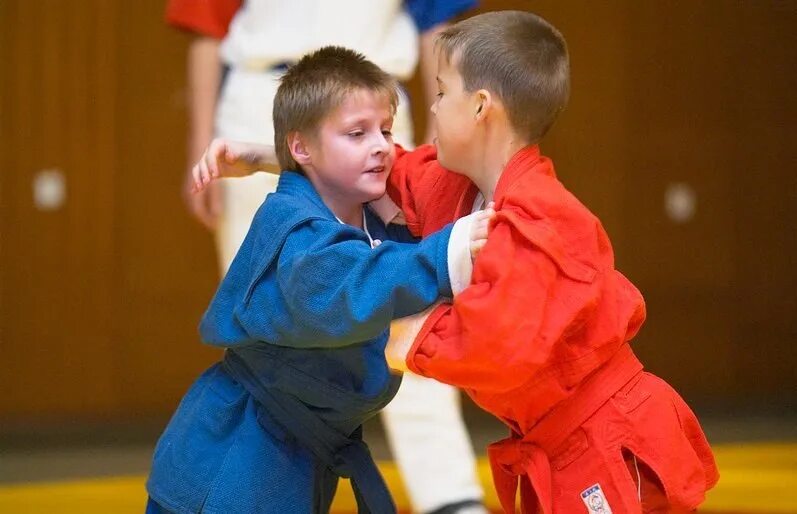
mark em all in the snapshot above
pixel 390 162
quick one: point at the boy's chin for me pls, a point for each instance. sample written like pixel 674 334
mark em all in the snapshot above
pixel 373 192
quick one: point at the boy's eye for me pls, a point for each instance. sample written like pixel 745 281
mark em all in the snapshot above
pixel 387 133
pixel 356 133
pixel 439 94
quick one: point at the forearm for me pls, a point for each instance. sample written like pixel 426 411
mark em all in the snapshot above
pixel 345 296
pixel 402 335
pixel 259 157
pixel 204 77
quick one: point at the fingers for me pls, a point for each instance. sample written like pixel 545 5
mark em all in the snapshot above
pixel 199 175
pixel 481 229
pixel 207 169
pixel 488 212
pixel 224 158
pixel 196 174
pixel 482 221
pixel 478 236
pixel 476 247
pixel 481 225
pixel 208 166
pixel 218 150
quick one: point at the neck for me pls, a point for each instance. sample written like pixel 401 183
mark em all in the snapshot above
pixel 347 212
pixel 344 208
pixel 500 148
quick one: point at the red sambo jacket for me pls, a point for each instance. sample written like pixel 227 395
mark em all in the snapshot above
pixel 540 339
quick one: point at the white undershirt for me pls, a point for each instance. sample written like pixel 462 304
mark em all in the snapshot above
pixel 373 242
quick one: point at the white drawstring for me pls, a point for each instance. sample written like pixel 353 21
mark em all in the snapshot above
pixel 374 242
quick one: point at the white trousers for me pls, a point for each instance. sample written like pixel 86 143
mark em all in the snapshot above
pixel 424 424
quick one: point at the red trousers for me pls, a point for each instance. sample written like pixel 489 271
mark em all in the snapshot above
pixel 643 427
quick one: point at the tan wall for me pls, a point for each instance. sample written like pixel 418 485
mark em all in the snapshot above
pixel 100 299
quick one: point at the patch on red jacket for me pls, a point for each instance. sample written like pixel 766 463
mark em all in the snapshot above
pixel 595 500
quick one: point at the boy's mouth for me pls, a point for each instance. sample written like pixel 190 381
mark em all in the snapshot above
pixel 378 169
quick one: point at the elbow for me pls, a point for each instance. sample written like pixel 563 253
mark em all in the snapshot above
pixel 328 329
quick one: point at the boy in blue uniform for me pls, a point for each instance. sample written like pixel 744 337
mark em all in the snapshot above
pixel 303 313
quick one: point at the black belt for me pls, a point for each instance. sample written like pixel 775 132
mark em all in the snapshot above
pixel 346 456
pixel 225 71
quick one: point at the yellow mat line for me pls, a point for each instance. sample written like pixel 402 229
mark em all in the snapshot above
pixel 755 477
pixel 760 478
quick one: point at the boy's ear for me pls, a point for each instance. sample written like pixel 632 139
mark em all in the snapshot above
pixel 484 102
pixel 297 145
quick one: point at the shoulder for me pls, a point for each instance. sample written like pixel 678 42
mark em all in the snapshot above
pixel 539 195
pixel 282 212
pixel 284 224
pixel 546 215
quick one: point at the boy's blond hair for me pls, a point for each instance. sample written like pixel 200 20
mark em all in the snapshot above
pixel 518 56
pixel 316 85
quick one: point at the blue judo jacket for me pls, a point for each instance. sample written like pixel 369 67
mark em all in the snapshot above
pixel 303 312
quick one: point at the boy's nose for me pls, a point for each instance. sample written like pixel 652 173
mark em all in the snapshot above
pixel 382 144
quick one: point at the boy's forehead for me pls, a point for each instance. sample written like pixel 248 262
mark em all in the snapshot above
pixel 447 69
pixel 362 103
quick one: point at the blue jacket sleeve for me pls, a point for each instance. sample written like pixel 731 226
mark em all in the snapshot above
pixel 428 13
pixel 338 291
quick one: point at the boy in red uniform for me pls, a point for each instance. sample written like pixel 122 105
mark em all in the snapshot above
pixel 539 336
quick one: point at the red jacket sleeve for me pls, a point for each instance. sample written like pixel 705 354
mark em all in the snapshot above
pixel 526 295
pixel 427 193
pixel 489 338
pixel 206 17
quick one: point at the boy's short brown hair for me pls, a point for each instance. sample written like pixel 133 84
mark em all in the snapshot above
pixel 518 56
pixel 316 85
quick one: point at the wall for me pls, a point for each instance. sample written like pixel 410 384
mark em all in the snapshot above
pixel 101 297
